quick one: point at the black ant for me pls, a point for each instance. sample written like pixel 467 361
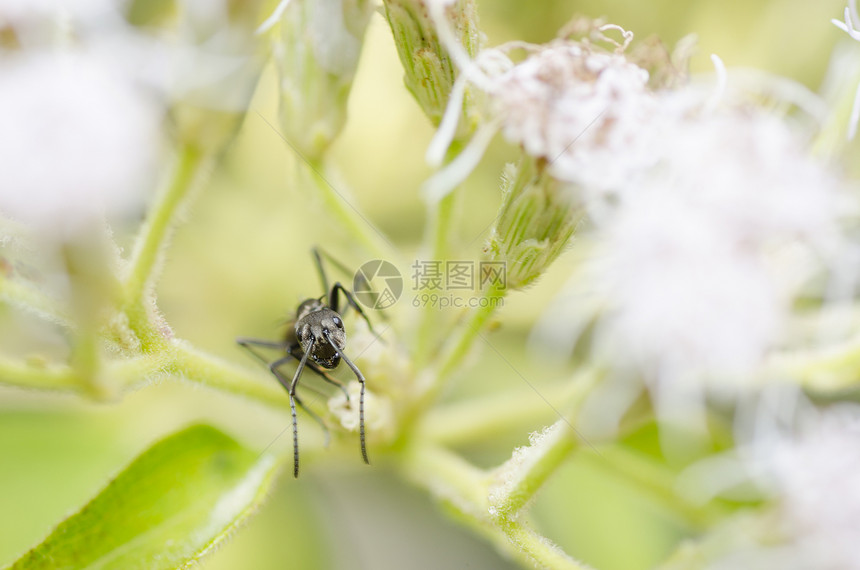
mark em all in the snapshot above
pixel 316 339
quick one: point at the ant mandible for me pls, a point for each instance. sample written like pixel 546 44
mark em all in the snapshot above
pixel 315 338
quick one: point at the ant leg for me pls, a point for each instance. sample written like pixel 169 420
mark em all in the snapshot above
pixel 332 294
pixel 360 378
pixel 292 392
pixel 274 367
pixel 334 303
pixel 319 254
pixel 320 269
pixel 249 343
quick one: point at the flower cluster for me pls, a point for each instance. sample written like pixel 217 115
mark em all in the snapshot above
pixel 85 93
pixel 702 254
pixel 708 214
pixel 818 501
pixel 581 110
pixel 78 141
pixel 700 249
pixel 575 106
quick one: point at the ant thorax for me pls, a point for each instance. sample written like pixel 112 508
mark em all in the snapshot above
pixel 306 307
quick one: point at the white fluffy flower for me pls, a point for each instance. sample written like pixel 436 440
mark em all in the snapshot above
pixel 693 266
pixel 802 460
pixel 681 291
pixel 811 473
pixel 29 13
pixel 78 140
pixel 806 470
pixel 581 109
pixel 698 258
pixel 378 410
pixel 584 112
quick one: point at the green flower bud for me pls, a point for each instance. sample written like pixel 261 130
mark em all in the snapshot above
pixel 538 216
pixel 429 69
pixel 317 55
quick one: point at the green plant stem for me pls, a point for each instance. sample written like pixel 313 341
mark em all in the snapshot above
pixel 480 418
pixel 457 348
pixel 462 340
pixel 86 361
pixel 442 220
pixel 148 254
pixel 28 299
pixel 655 480
pixel 347 216
pixel 448 476
pixel 39 377
pixel 831 368
pixel 201 368
pixel 177 360
pixel 195 366
pixel 463 489
pixel 520 478
pixel 440 238
pixel 477 419
pixel 535 550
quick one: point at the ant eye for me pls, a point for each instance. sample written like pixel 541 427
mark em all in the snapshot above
pixel 338 322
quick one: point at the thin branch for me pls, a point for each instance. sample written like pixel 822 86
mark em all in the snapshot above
pixel 39 377
pixel 464 490
pixel 149 249
pixel 28 299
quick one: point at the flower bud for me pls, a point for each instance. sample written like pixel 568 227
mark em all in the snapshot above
pixel 539 215
pixel 429 68
pixel 378 411
pixel 317 55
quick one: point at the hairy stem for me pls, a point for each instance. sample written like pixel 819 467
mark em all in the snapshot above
pixel 485 417
pixel 348 216
pixel 28 299
pixel 151 244
pixel 462 339
pixel 39 377
pixel 464 490
pixel 176 360
pixel 657 481
pixel 197 366
pixel 518 480
pixel 439 238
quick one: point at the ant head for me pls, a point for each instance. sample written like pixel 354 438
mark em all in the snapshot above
pixel 324 328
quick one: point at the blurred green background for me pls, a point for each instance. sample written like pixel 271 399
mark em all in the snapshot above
pixel 240 264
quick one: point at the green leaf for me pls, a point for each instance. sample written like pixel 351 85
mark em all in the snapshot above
pixel 172 505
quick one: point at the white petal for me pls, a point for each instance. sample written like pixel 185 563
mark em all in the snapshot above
pixel 444 181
